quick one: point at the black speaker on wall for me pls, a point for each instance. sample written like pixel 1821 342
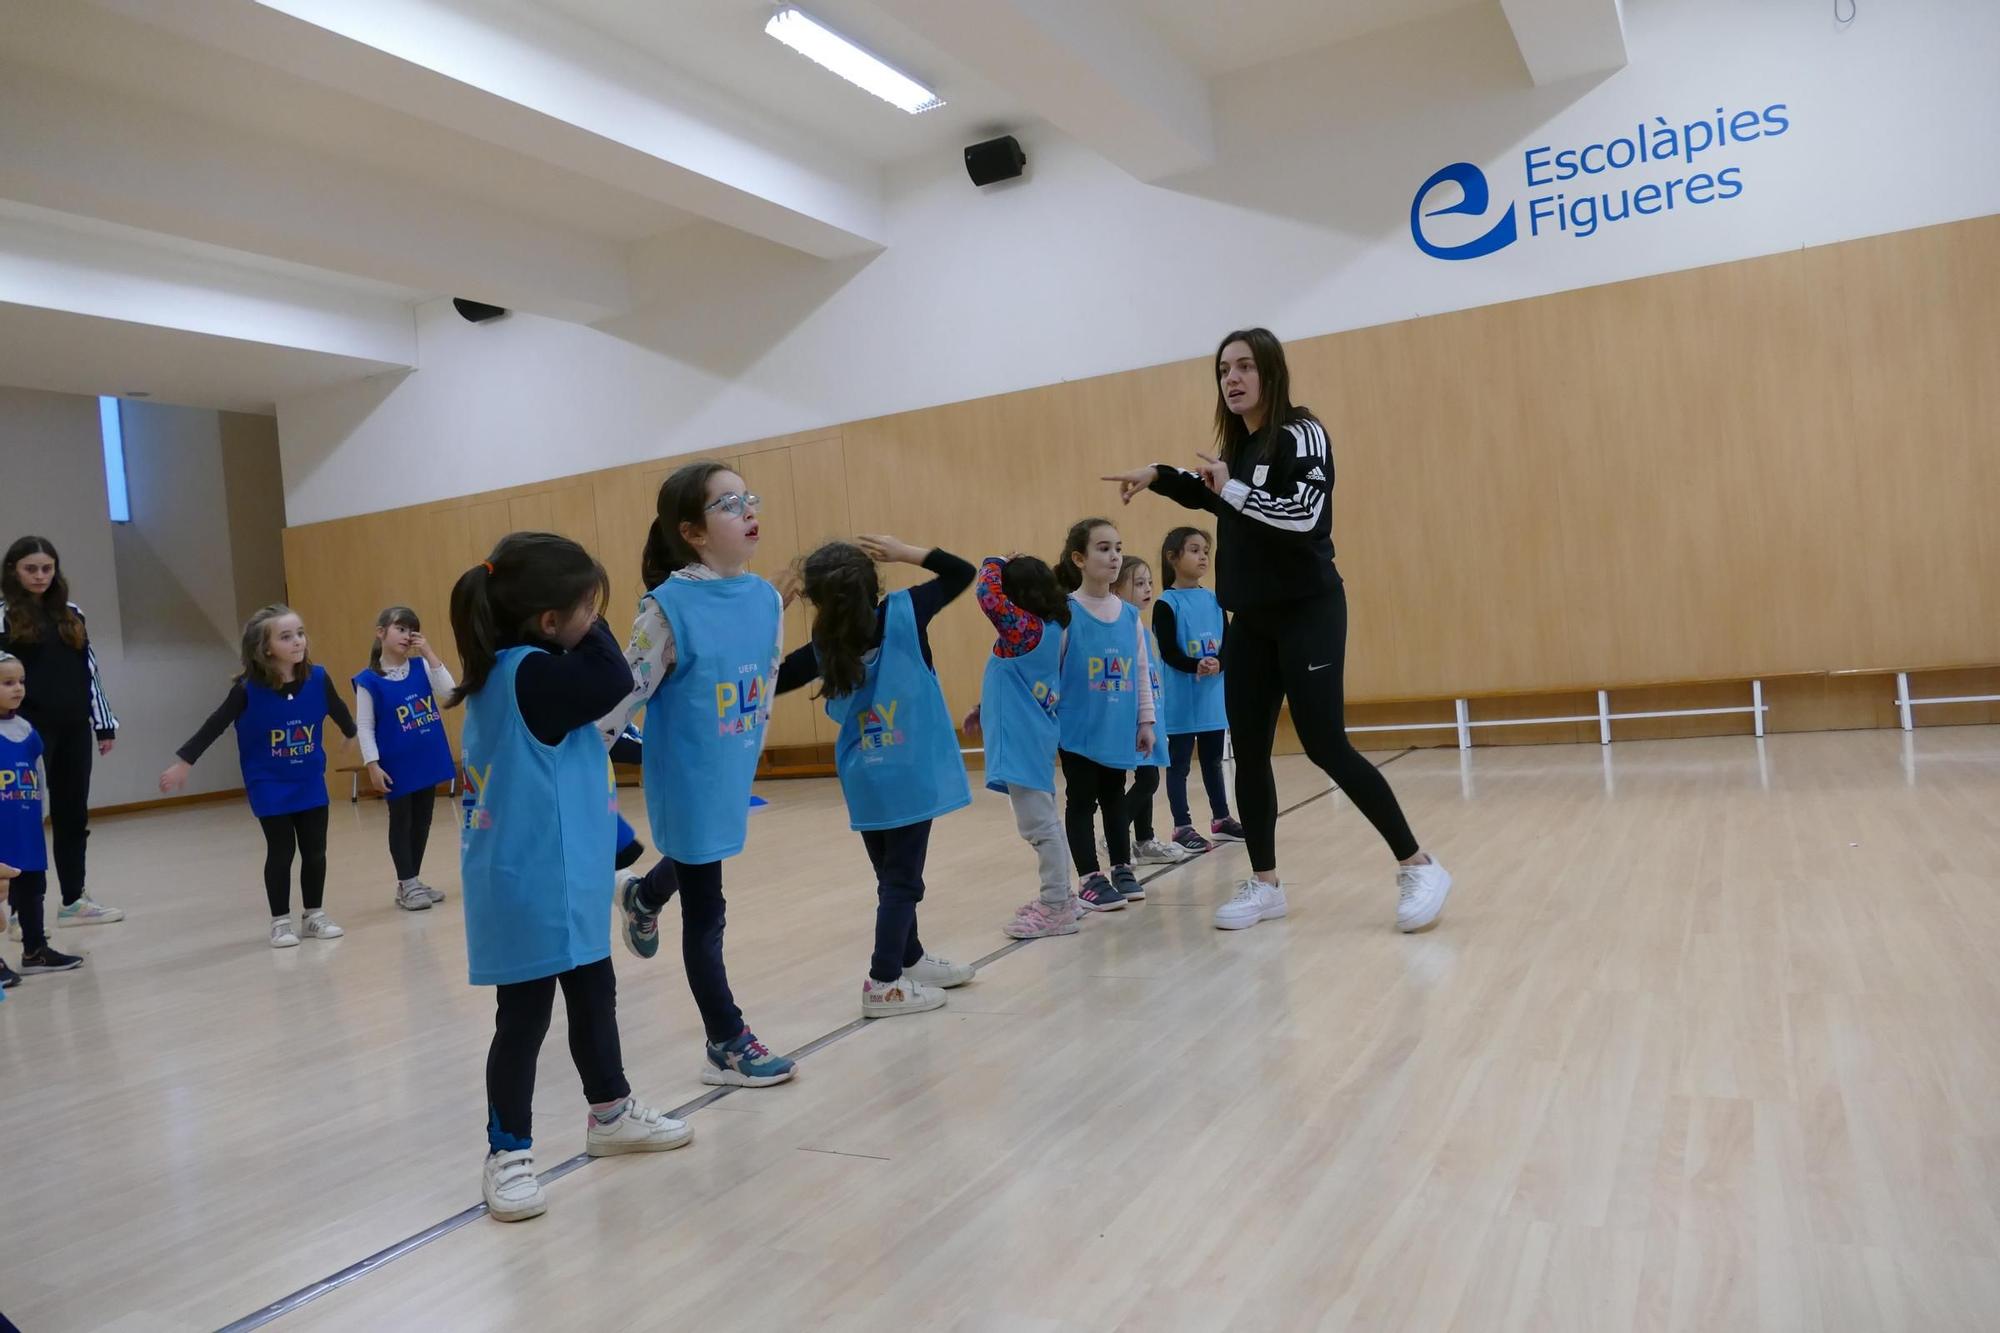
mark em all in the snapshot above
pixel 995 160
pixel 477 312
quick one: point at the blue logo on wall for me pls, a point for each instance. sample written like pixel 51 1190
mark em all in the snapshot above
pixel 1471 182
pixel 1585 207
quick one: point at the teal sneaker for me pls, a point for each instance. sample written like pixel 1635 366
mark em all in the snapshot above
pixel 642 928
pixel 744 1062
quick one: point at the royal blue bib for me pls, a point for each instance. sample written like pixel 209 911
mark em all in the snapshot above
pixel 279 742
pixel 22 845
pixel 409 734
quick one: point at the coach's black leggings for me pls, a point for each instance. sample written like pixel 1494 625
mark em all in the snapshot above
pixel 1297 651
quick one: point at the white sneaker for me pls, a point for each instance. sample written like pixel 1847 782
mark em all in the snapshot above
pixel 435 895
pixel 889 999
pixel 1420 894
pixel 1153 852
pixel 87 911
pixel 640 1129
pixel 1254 901
pixel 411 897
pixel 319 926
pixel 512 1192
pixel 931 970
pixel 282 934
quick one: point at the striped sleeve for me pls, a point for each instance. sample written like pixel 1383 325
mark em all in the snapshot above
pixel 102 720
pixel 1304 511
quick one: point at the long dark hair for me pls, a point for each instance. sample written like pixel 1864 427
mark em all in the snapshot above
pixel 395 615
pixel 839 580
pixel 25 611
pixel 1171 548
pixel 495 604
pixel 1068 577
pixel 683 498
pixel 255 649
pixel 1274 382
pixel 1030 584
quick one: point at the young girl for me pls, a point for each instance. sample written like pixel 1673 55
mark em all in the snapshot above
pixel 1189 627
pixel 407 753
pixel 24 856
pixel 1017 716
pixel 536 846
pixel 279 706
pixel 702 655
pixel 1134 586
pixel 1106 721
pixel 897 752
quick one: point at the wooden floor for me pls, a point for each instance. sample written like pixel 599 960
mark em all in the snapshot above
pixel 1708 1040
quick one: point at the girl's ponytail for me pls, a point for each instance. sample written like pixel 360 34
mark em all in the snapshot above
pixel 840 581
pixel 476 628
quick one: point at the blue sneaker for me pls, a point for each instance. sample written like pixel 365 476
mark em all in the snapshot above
pixel 642 928
pixel 1099 894
pixel 744 1062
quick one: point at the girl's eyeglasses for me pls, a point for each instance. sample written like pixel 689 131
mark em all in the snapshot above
pixel 738 506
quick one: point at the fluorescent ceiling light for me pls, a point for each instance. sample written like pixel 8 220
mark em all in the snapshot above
pixel 822 45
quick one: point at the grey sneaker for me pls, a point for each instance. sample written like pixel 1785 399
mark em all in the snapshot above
pixel 1127 883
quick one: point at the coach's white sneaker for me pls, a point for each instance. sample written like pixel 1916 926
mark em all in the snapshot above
pixel 1420 894
pixel 1254 901
pixel 282 934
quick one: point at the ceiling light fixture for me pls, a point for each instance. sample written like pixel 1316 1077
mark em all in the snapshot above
pixel 827 48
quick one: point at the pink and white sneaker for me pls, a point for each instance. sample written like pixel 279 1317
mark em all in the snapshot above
pixel 1038 919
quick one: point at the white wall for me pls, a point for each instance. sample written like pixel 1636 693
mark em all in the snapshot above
pixel 1079 270
pixel 164 593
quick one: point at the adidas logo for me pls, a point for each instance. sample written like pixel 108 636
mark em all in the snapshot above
pixel 1316 475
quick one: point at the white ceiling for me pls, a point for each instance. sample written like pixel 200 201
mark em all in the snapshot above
pixel 1221 39
pixel 722 43
pixel 245 197
pixel 65 353
pixel 94 48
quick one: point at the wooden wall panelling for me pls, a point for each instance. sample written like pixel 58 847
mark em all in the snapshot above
pixel 1448 513
pixel 820 513
pixel 624 505
pixel 1687 403
pixel 569 510
pixel 1909 371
